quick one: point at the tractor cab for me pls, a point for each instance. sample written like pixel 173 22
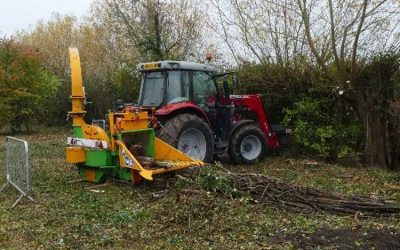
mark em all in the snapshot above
pixel 169 82
pixel 168 85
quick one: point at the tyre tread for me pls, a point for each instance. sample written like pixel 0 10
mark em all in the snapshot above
pixel 233 149
pixel 172 128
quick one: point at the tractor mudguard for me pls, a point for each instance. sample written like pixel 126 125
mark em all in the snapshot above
pixel 238 124
pixel 253 103
pixel 182 108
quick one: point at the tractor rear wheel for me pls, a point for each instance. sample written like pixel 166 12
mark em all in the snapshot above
pixel 189 134
pixel 247 145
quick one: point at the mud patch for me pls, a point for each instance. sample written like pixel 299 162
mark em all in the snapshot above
pixel 342 239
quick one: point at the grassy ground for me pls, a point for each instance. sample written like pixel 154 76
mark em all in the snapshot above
pixel 170 214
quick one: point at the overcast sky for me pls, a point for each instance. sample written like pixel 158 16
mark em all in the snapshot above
pixel 23 14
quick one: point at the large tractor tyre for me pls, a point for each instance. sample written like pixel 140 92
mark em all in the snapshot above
pixel 247 145
pixel 189 134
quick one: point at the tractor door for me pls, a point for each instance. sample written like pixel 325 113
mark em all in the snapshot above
pixel 224 107
pixel 205 94
pixel 215 103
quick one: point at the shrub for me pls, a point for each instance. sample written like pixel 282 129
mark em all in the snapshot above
pixel 27 89
pixel 324 126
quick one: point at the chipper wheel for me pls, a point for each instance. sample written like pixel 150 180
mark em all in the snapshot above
pixel 247 145
pixel 190 135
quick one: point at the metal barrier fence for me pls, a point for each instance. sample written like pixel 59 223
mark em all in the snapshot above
pixel 17 167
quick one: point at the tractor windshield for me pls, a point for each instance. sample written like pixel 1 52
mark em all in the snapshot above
pixel 152 89
pixel 154 84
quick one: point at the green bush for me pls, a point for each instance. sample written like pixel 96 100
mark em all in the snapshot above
pixel 323 125
pixel 125 84
pixel 27 89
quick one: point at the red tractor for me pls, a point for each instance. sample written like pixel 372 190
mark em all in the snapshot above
pixel 197 114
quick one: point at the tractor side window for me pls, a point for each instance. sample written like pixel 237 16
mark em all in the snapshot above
pixel 152 89
pixel 178 86
pixel 204 91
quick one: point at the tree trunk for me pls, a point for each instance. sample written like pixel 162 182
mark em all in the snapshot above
pixel 158 50
pixel 377 144
pixel 375 127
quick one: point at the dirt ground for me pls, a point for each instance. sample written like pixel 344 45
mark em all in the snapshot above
pixel 172 214
pixel 343 239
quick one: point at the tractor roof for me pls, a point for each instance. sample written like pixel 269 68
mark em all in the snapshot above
pixel 173 65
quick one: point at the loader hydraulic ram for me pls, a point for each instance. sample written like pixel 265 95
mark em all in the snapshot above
pixel 128 149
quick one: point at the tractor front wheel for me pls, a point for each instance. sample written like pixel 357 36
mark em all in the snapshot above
pixel 189 134
pixel 247 145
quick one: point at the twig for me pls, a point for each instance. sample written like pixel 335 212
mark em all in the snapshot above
pixel 98 186
pixel 184 179
pixel 193 191
pixel 76 181
pixel 219 165
pixel 263 193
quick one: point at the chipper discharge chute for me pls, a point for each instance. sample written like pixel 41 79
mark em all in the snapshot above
pixel 124 147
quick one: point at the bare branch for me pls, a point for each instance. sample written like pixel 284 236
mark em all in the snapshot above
pixel 357 36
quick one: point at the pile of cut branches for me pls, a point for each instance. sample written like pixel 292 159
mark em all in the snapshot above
pixel 269 190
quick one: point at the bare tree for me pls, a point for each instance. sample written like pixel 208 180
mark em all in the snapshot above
pixel 342 34
pixel 153 29
pixel 268 31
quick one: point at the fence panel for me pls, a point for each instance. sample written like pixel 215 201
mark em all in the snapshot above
pixel 17 167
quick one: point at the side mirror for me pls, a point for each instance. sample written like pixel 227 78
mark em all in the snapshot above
pixel 226 90
pixel 269 98
pixel 119 105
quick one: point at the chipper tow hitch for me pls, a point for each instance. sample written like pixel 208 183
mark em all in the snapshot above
pixel 127 150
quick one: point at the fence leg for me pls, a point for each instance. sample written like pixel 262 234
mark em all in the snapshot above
pixel 18 200
pixel 30 198
pixel 5 185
